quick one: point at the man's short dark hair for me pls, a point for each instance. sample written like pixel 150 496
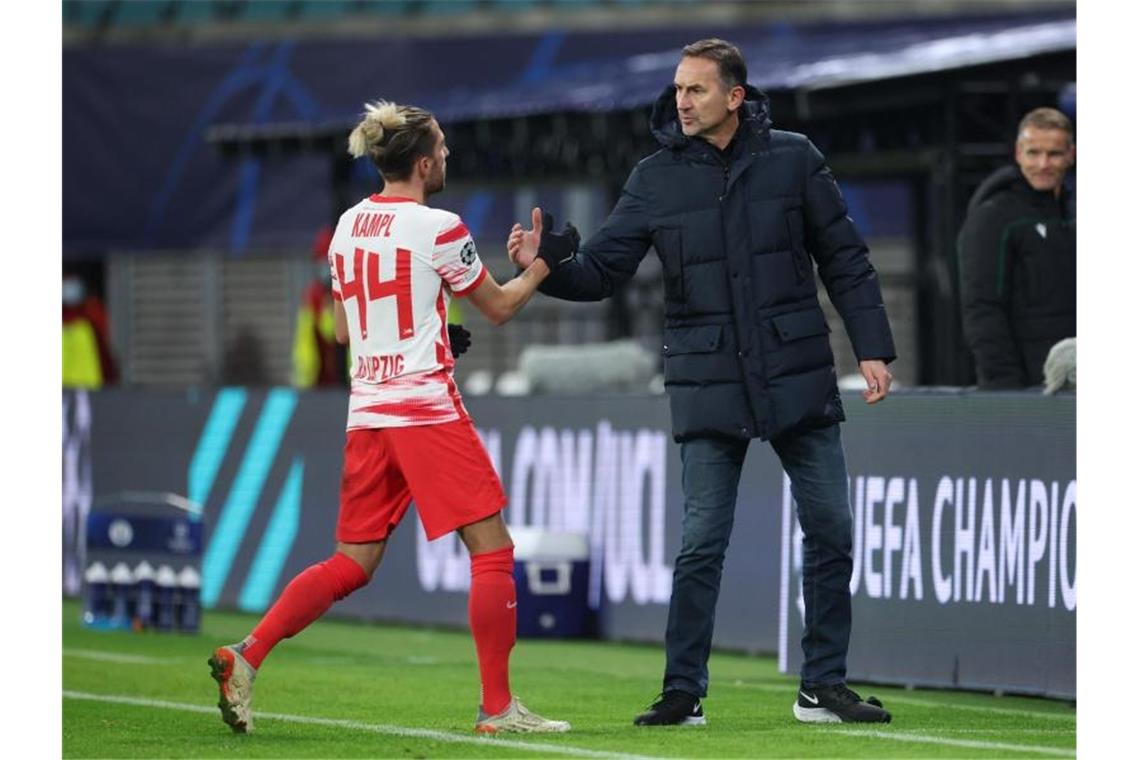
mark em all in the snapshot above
pixel 729 62
pixel 1045 118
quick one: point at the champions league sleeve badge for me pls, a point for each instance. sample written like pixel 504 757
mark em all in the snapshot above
pixel 467 255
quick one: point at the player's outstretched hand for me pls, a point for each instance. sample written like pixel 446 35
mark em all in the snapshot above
pixel 542 242
pixel 522 245
pixel 460 339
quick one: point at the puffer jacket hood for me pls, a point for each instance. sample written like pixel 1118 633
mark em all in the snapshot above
pixel 1001 180
pixel 1010 178
pixel 667 129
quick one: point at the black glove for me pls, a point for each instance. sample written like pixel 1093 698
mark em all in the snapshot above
pixel 460 339
pixel 557 247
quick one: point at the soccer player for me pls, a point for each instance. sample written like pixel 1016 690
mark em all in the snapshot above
pixel 395 263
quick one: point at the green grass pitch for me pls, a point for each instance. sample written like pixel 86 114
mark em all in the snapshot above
pixel 343 689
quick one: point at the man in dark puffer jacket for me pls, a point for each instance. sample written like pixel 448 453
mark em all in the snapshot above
pixel 737 212
pixel 1018 257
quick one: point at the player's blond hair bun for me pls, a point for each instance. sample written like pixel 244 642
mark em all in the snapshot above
pixel 380 118
pixel 393 136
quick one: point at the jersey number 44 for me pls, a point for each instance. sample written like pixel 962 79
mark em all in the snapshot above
pixel 366 286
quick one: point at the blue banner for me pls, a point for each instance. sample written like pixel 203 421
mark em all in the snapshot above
pixel 112 531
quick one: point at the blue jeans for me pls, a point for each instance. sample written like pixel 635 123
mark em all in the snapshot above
pixel 710 474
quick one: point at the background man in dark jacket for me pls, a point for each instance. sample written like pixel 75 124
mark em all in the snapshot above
pixel 737 212
pixel 1018 254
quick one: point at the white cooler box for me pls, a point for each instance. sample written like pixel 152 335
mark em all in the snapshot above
pixel 552 572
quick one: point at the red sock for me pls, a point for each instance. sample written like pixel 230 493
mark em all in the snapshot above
pixel 491 610
pixel 305 599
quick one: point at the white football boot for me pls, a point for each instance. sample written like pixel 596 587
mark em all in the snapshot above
pixel 517 719
pixel 235 687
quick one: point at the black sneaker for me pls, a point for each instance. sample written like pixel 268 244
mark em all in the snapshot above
pixel 837 704
pixel 673 708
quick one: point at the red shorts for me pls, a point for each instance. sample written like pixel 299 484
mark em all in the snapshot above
pixel 443 468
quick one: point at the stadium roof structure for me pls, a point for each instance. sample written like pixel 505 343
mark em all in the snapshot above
pixel 782 58
pixel 578 72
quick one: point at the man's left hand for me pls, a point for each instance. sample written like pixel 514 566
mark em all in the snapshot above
pixel 460 339
pixel 878 379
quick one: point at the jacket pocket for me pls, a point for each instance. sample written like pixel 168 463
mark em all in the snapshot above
pixel 797 342
pixel 697 355
pixel 800 324
pixel 668 242
pixel 794 221
pixel 700 339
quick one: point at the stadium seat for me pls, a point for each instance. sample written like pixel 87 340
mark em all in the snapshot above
pixel 319 10
pixel 89 13
pixel 266 10
pixel 138 14
pixel 387 7
pixel 619 365
pixel 515 5
pixel 83 14
pixel 441 7
pixel 196 12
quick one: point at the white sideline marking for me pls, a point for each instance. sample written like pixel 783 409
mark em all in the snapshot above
pixel 971 743
pixel 933 703
pixel 133 659
pixel 1066 731
pixel 378 728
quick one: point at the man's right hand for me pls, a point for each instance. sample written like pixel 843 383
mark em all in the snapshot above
pixel 556 248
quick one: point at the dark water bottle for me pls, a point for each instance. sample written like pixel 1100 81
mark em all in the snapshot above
pixel 122 591
pixel 166 586
pixel 144 596
pixel 96 595
pixel 189 604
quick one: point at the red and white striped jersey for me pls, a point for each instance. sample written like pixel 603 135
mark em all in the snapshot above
pixel 393 263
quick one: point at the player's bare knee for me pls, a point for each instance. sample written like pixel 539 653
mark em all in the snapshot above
pixel 486 535
pixel 368 556
pixel 369 569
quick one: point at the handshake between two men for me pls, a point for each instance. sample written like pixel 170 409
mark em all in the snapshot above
pixel 542 242
pixel 523 247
